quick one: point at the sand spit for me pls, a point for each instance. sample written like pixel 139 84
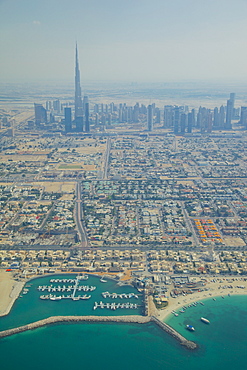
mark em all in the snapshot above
pixel 116 319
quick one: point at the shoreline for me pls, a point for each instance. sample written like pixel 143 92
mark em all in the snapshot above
pixel 213 290
pixel 179 302
pixel 14 294
pixel 217 287
pixel 9 291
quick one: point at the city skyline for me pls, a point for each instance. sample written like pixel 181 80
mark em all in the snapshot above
pixel 134 41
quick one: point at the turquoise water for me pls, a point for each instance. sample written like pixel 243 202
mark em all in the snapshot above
pixel 95 346
pixel 31 308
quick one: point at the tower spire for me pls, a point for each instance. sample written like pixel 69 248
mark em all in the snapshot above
pixel 78 100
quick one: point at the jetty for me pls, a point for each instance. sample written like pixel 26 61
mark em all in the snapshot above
pixel 137 319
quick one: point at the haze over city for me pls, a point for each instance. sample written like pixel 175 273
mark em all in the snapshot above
pixel 123 184
pixel 124 41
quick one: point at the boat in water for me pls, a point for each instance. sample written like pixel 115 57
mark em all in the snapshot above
pixel 55 298
pixel 82 277
pixel 206 321
pixel 190 328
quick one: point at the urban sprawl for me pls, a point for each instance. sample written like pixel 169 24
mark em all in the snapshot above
pixel 135 191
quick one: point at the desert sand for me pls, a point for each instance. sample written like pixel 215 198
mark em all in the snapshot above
pixel 9 291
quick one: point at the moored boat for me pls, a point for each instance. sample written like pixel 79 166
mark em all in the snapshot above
pixel 190 328
pixel 206 321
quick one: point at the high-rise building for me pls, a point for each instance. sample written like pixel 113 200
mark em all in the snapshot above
pixel 157 114
pixel 85 100
pixel 96 119
pixel 79 124
pixel 209 121
pixel 40 114
pixel 109 119
pixel 229 111
pixel 243 117
pixel 168 116
pixel 191 121
pixel 87 125
pixel 67 119
pixel 150 118
pixel 216 118
pixel 221 117
pixel 78 100
pixel 176 120
pixel 57 106
pixel 136 113
pixel 184 122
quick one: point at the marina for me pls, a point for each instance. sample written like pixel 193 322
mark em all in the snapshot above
pixel 66 288
pixel 71 295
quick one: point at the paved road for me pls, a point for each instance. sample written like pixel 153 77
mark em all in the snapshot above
pixel 189 224
pixel 79 217
pixel 106 159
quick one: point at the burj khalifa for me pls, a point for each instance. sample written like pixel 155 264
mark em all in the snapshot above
pixel 78 100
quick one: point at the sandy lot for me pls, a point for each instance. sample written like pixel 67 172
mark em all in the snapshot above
pixel 23 158
pixel 233 241
pixel 9 291
pixel 56 186
pixel 76 167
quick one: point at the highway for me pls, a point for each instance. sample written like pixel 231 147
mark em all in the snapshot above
pixel 106 158
pixel 189 224
pixel 79 217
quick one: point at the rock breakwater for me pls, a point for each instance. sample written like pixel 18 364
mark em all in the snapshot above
pixel 115 319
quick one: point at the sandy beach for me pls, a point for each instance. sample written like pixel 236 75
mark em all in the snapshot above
pixel 217 288
pixel 9 291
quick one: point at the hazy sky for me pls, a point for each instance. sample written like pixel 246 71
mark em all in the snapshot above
pixel 127 40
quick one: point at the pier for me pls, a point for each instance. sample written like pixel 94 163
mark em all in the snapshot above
pixel 75 287
pixel 115 319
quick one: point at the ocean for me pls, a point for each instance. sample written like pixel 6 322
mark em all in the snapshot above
pixel 222 343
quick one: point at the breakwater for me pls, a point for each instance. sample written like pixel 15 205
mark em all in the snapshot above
pixel 116 319
pixel 168 329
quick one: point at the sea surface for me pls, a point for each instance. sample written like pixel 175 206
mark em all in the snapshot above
pixel 93 346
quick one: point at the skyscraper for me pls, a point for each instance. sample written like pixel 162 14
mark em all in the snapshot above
pixel 78 100
pixel 229 111
pixel 67 119
pixel 168 116
pixel 87 124
pixel 176 120
pixel 150 118
pixel 40 114
pixel 243 117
